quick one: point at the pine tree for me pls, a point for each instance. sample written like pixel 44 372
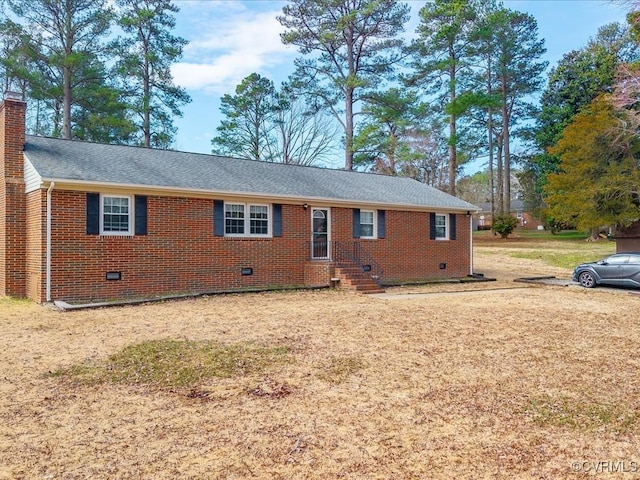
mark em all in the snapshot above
pixel 145 55
pixel 246 130
pixel 63 45
pixel 441 59
pixel 350 47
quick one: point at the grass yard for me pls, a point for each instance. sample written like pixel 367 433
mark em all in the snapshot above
pixel 487 380
pixel 565 250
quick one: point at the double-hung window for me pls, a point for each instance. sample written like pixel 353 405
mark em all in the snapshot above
pixel 122 215
pixel 242 219
pixel 234 218
pixel 441 227
pixel 367 224
pixel 116 215
pixel 258 220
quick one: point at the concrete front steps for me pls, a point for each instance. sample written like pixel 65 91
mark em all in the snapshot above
pixel 351 277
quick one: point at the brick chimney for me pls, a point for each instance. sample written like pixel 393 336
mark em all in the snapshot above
pixel 12 197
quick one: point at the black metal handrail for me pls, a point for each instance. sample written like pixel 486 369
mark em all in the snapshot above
pixel 356 252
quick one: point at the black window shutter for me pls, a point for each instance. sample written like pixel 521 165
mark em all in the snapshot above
pixel 218 218
pixel 356 223
pixel 93 213
pixel 432 226
pixel 141 215
pixel 277 220
pixel 452 226
pixel 381 224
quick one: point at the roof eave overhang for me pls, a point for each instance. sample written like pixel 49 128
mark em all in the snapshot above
pixel 105 187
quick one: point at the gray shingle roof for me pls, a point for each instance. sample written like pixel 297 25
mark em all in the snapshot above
pixel 66 160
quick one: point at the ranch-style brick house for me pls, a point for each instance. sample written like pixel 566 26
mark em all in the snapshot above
pixel 87 222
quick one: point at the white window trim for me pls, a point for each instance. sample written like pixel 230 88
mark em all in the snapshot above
pixel 247 221
pixel 375 225
pixel 228 204
pixel 446 227
pixel 129 232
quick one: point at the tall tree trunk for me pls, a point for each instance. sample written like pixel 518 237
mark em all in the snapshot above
pixel 57 119
pixel 452 155
pixel 453 141
pixel 392 151
pixel 506 200
pixel 256 130
pixel 66 76
pixel 66 103
pixel 286 154
pixel 348 152
pixel 146 99
pixel 492 193
pixel 492 186
pixel 499 175
pixel 349 97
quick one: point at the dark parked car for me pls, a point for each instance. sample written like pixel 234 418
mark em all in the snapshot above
pixel 622 269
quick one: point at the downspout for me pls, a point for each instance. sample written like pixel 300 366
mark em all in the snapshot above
pixel 48 247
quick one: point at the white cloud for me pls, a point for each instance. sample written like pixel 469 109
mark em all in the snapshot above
pixel 227 42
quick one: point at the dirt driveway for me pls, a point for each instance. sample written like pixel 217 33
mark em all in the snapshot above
pixel 531 382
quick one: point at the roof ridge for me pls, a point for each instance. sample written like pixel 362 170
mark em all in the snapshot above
pixel 213 155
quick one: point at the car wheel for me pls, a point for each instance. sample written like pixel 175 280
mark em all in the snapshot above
pixel 587 280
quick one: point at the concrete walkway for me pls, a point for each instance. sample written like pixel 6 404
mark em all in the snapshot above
pixel 545 281
pixel 404 296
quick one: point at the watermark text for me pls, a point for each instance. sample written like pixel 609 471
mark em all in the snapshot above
pixel 605 466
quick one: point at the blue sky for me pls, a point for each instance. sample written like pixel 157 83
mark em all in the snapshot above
pixel 229 39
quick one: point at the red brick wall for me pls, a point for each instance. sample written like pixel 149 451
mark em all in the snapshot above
pixel 318 273
pixel 180 254
pixel 12 199
pixel 407 253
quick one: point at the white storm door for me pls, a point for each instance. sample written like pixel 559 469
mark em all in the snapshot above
pixel 320 233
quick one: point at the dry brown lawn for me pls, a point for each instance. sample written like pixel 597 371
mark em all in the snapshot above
pixel 518 381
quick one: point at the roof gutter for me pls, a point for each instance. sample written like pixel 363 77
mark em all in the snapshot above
pixel 48 247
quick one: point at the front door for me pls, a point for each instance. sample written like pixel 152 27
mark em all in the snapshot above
pixel 320 233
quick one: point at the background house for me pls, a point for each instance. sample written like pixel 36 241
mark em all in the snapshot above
pixel 483 218
pixel 86 222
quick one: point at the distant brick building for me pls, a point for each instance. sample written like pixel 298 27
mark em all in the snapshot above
pixel 483 219
pixel 84 222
